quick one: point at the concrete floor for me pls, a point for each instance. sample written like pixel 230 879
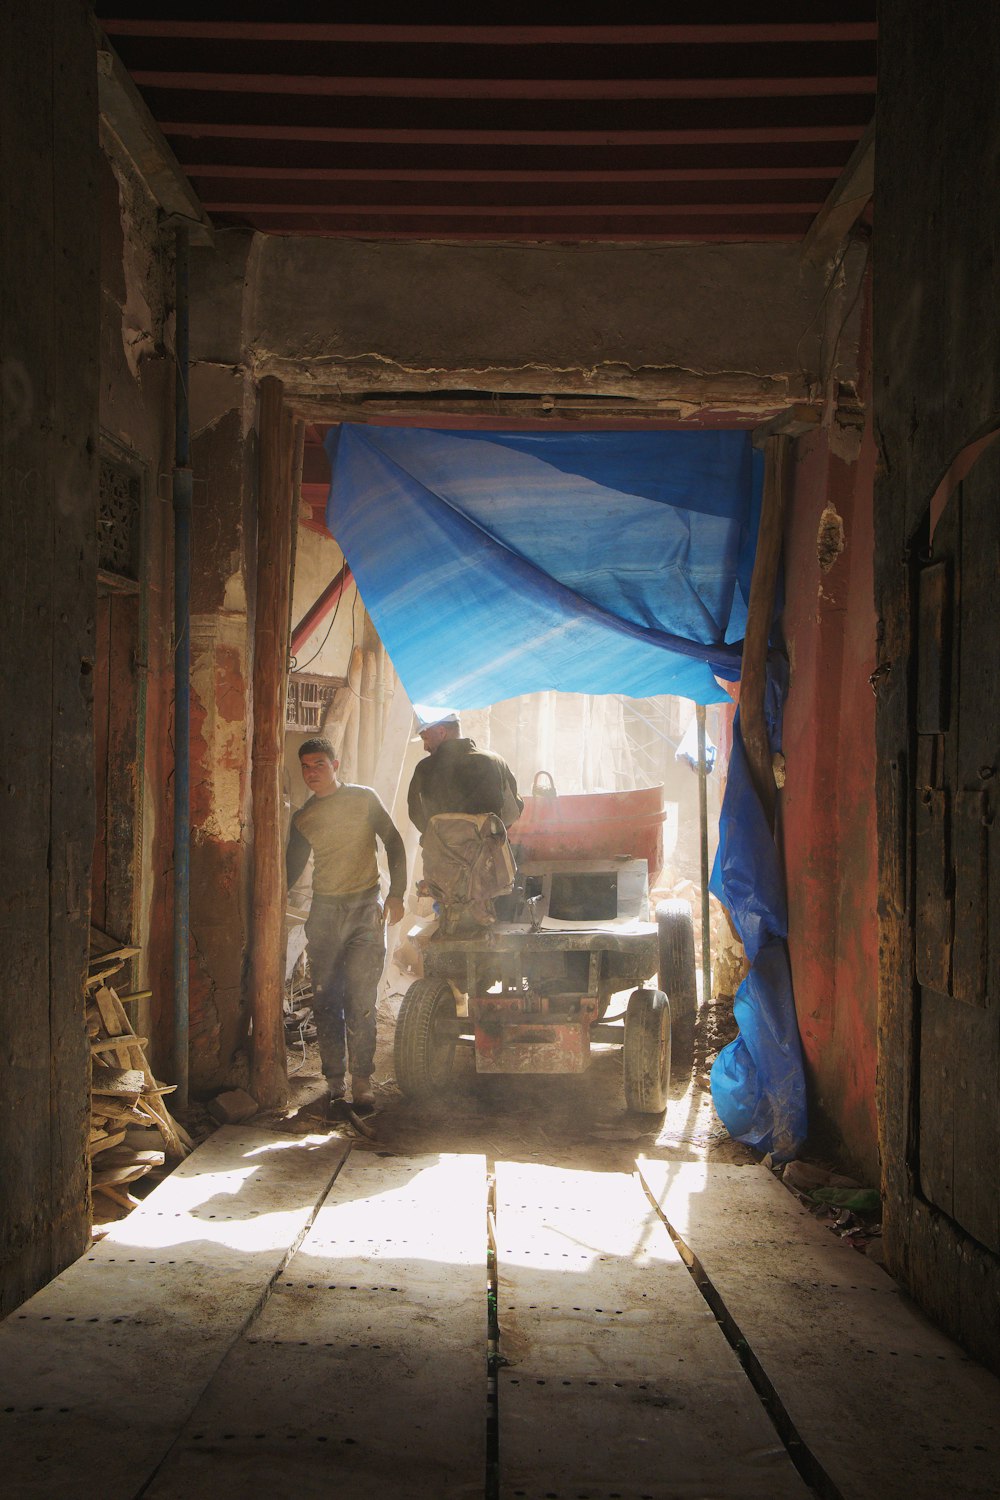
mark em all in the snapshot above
pixel 519 1291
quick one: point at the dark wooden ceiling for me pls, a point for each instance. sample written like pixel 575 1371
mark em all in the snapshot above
pixel 731 128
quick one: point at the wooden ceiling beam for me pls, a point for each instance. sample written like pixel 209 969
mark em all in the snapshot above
pixel 520 211
pixel 498 412
pixel 230 193
pixel 126 114
pixel 589 89
pixel 498 36
pixel 708 135
pixel 615 231
pixel 845 204
pixel 529 163
pixel 213 169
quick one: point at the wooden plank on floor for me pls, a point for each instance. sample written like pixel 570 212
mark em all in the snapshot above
pixel 618 1379
pixel 885 1402
pixel 365 1374
pixel 99 1370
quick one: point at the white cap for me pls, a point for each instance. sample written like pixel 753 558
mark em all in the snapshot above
pixel 428 716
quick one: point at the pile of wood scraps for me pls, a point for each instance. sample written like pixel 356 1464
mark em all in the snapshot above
pixel 125 1095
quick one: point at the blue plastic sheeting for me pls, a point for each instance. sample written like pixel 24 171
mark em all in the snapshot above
pixel 758 1080
pixel 494 564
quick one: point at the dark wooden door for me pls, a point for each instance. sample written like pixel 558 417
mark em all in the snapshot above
pixel 954 797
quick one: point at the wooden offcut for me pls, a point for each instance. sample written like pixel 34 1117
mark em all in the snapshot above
pixel 123 1086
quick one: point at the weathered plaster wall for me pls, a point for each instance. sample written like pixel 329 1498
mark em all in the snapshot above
pixel 828 804
pixel 733 327
pixel 222 596
pixel 49 301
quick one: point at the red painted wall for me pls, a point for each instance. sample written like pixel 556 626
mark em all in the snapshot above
pixel 828 806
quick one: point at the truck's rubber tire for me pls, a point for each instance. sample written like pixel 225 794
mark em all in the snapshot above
pixel 646 1053
pixel 677 975
pixel 423 1061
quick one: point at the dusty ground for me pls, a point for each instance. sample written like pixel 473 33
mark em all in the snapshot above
pixel 578 1120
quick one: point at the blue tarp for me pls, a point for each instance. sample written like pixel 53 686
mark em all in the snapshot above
pixel 495 564
pixel 758 1080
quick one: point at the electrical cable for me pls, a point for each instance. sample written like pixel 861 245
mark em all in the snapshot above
pixel 831 367
pixel 333 619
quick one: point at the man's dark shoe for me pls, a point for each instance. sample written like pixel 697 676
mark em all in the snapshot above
pixel 362 1094
pixel 336 1102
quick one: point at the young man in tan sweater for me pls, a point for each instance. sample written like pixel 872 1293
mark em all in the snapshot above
pixel 345 930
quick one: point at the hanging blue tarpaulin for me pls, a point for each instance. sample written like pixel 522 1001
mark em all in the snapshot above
pixel 495 564
pixel 758 1080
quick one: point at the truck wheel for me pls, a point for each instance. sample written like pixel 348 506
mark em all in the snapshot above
pixel 423 1056
pixel 677 976
pixel 646 1053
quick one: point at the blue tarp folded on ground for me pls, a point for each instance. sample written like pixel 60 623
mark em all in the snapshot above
pixel 496 563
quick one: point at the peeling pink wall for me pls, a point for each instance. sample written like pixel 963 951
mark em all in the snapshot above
pixel 828 806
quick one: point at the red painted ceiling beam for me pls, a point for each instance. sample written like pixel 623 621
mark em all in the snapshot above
pixel 690 231
pixel 315 467
pixel 528 175
pixel 528 163
pixel 228 194
pixel 499 36
pixel 520 211
pixel 503 88
pixel 585 422
pixel 736 135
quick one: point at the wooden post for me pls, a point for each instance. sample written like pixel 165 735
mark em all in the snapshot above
pixel 366 721
pixel 388 691
pixel 343 710
pixel 349 737
pixel 392 753
pixel 275 520
pixel 760 614
pixel 380 674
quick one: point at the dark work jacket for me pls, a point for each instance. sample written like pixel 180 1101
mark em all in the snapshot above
pixel 459 778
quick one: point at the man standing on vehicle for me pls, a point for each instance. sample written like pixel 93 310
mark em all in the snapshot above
pixel 458 777
pixel 462 799
pixel 345 930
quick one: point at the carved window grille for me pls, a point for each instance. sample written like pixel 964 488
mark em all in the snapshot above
pixel 119 515
pixel 309 699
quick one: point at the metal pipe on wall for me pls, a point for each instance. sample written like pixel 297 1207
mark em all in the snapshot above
pixel 706 935
pixel 182 493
